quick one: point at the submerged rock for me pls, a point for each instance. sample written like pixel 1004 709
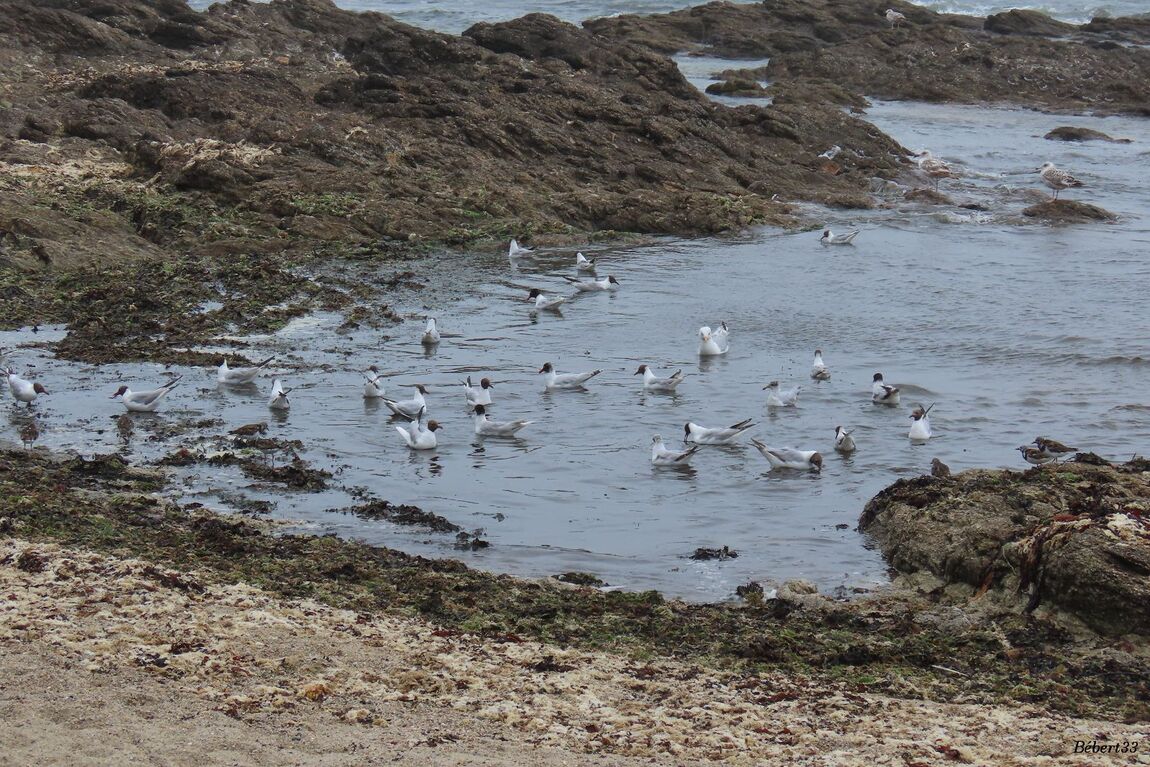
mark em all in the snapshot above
pixel 1068 212
pixel 1069 133
pixel 1075 536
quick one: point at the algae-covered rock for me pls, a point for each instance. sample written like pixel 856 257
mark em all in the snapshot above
pixel 1068 212
pixel 1075 536
pixel 1071 133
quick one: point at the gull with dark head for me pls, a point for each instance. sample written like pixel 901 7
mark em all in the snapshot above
pixel 409 408
pixel 777 397
pixel 145 401
pixel 920 430
pixel 830 238
pixel 373 387
pixel 789 457
pixel 844 442
pixel 652 382
pixel 542 302
pixel 486 428
pixel 587 286
pixel 24 391
pixel 881 393
pixel 693 432
pixel 555 380
pixel 478 395
pixel 419 437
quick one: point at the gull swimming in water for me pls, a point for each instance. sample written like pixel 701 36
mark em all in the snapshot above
pixel 830 238
pixel 227 375
pixel 693 432
pixel 430 333
pixel 419 437
pixel 555 380
pixel 920 429
pixel 881 393
pixel 819 370
pixel 584 264
pixel 478 395
pixel 515 250
pixel 894 17
pixel 712 344
pixel 145 401
pixel 1053 448
pixel 1034 456
pixel 409 408
pixel 777 397
pixel 587 286
pixel 661 456
pixel 652 382
pixel 789 457
pixel 1056 179
pixel 24 391
pixel 279 398
pixel 844 442
pixel 373 387
pixel 486 428
pixel 934 168
pixel 542 302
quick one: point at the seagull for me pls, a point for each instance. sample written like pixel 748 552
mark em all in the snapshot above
pixel 894 17
pixel 831 153
pixel 373 386
pixel 486 428
pixel 1034 456
pixel 417 436
pixel 920 429
pixel 661 456
pixel 1056 179
pixel 588 286
pixel 409 408
pixel 713 344
pixel 567 380
pixel 515 250
pixel 24 391
pixel 783 397
pixel 145 401
pixel 478 395
pixel 881 394
pixel 1053 448
pixel 584 264
pixel 935 168
pixel 279 399
pixel 652 382
pixel 819 370
pixel 543 302
pixel 830 238
pixel 693 432
pixel 431 333
pixel 228 375
pixel 844 442
pixel 789 458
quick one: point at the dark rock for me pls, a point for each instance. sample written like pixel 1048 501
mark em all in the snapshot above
pixel 581 579
pixel 403 514
pixel 705 554
pixel 1067 133
pixel 1024 22
pixel 1068 212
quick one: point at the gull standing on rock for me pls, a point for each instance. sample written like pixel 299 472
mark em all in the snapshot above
pixel 661 456
pixel 790 458
pixel 486 428
pixel 844 442
pixel 279 398
pixel 584 264
pixel 781 397
pixel 555 380
pixel 652 382
pixel 542 302
pixel 373 387
pixel 24 391
pixel 881 393
pixel 430 333
pixel 1056 179
pixel 478 395
pixel 227 375
pixel 587 286
pixel 145 401
pixel 830 238
pixel 934 168
pixel 712 344
pixel 819 370
pixel 920 429
pixel 693 432
pixel 409 408
pixel 417 436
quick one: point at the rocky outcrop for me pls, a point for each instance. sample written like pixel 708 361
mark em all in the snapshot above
pixel 1068 133
pixel 1075 536
pixel 1068 212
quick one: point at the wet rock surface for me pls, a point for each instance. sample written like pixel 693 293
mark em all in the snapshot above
pixel 1068 133
pixel 1075 536
pixel 1068 212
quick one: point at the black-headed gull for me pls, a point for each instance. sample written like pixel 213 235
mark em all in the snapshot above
pixel 486 428
pixel 1053 448
pixel 542 302
pixel 419 437
pixel 279 398
pixel 894 17
pixel 652 382
pixel 1056 179
pixel 478 395
pixel 920 429
pixel 227 375
pixel 777 397
pixel 881 393
pixel 373 387
pixel 830 238
pixel 24 391
pixel 409 408
pixel 554 380
pixel 693 432
pixel 819 370
pixel 789 457
pixel 1034 456
pixel 430 333
pixel 714 343
pixel 584 264
pixel 515 250
pixel 144 401
pixel 661 456
pixel 587 286
pixel 844 442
